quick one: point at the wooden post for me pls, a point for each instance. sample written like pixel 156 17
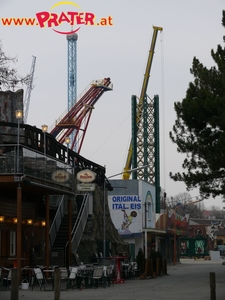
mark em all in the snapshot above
pixel 19 233
pixel 151 267
pixel 69 232
pixel 212 279
pixel 164 266
pixel 146 268
pixel 47 222
pixel 14 293
pixel 57 284
pixel 158 267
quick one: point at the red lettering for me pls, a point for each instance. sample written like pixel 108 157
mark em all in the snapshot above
pixel 30 21
pixel 110 20
pixel 6 21
pixel 53 20
pixel 42 17
pixel 89 18
pixel 80 19
pixel 18 21
pixel 63 18
pixel 72 15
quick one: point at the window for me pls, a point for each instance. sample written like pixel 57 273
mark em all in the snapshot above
pixel 149 211
pixel 12 241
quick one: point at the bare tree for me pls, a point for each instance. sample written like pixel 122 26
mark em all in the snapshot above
pixel 183 206
pixel 9 77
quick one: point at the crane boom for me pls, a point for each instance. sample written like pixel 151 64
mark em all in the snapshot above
pixel 26 101
pixel 126 173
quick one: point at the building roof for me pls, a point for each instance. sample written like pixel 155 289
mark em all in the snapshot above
pixel 196 221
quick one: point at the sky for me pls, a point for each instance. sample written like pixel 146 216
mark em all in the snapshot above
pixel 119 51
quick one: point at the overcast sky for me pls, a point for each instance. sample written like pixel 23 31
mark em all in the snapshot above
pixel 190 28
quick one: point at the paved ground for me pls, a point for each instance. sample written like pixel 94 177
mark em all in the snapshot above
pixel 186 280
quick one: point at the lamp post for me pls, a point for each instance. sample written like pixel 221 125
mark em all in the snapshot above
pixel 44 130
pixel 19 115
pixel 67 141
pixel 174 229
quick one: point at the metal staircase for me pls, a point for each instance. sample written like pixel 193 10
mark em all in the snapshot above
pixel 59 230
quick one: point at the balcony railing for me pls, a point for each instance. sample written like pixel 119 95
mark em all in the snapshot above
pixel 34 164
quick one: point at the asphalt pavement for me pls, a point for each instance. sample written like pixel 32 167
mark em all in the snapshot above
pixel 189 279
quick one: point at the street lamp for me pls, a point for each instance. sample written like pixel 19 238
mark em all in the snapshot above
pixel 67 141
pixel 129 171
pixel 19 115
pixel 174 229
pixel 44 130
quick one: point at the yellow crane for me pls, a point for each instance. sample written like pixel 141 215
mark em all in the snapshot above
pixel 126 173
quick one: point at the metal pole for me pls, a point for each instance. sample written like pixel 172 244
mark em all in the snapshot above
pixel 104 241
pixel 44 145
pixel 18 146
pixel 174 240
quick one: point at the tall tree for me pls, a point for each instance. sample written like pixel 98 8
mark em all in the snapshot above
pixel 199 129
pixel 9 77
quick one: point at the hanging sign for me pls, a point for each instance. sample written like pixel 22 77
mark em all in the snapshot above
pixel 86 176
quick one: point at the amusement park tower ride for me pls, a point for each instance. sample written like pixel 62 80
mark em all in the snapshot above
pixel 72 73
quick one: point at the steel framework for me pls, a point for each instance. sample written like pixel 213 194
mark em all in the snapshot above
pixel 72 72
pixel 77 119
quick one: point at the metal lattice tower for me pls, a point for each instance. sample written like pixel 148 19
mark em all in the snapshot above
pixel 72 72
pixel 26 102
pixel 145 142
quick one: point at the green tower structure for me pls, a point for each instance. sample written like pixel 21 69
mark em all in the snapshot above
pixel 145 143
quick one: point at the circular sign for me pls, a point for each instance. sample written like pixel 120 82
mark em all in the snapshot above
pixel 86 176
pixel 60 176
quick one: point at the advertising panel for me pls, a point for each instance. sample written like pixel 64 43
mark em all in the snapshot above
pixel 126 213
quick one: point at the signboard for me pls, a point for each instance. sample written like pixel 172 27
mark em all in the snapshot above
pixel 86 176
pixel 60 176
pixel 86 187
pixel 126 213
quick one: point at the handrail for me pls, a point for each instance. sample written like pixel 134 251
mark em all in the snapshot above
pixel 80 224
pixel 56 221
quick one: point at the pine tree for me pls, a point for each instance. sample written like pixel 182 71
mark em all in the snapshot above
pixel 199 129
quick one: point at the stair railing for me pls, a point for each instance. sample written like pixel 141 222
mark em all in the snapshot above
pixel 56 221
pixel 80 223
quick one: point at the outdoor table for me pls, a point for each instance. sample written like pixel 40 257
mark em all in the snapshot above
pixel 119 276
pixel 14 260
pixel 51 278
pixel 86 274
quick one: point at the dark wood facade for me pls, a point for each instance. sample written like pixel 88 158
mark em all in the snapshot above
pixel 25 192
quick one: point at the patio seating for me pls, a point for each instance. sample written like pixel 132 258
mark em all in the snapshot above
pixel 0 276
pixel 110 274
pixel 39 277
pixel 71 282
pixel 97 276
pixel 6 279
pixel 64 277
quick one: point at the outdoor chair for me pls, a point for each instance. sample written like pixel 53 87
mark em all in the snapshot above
pixel 6 280
pixel 97 276
pixel 110 270
pixel 64 276
pixel 0 277
pixel 39 277
pixel 71 282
